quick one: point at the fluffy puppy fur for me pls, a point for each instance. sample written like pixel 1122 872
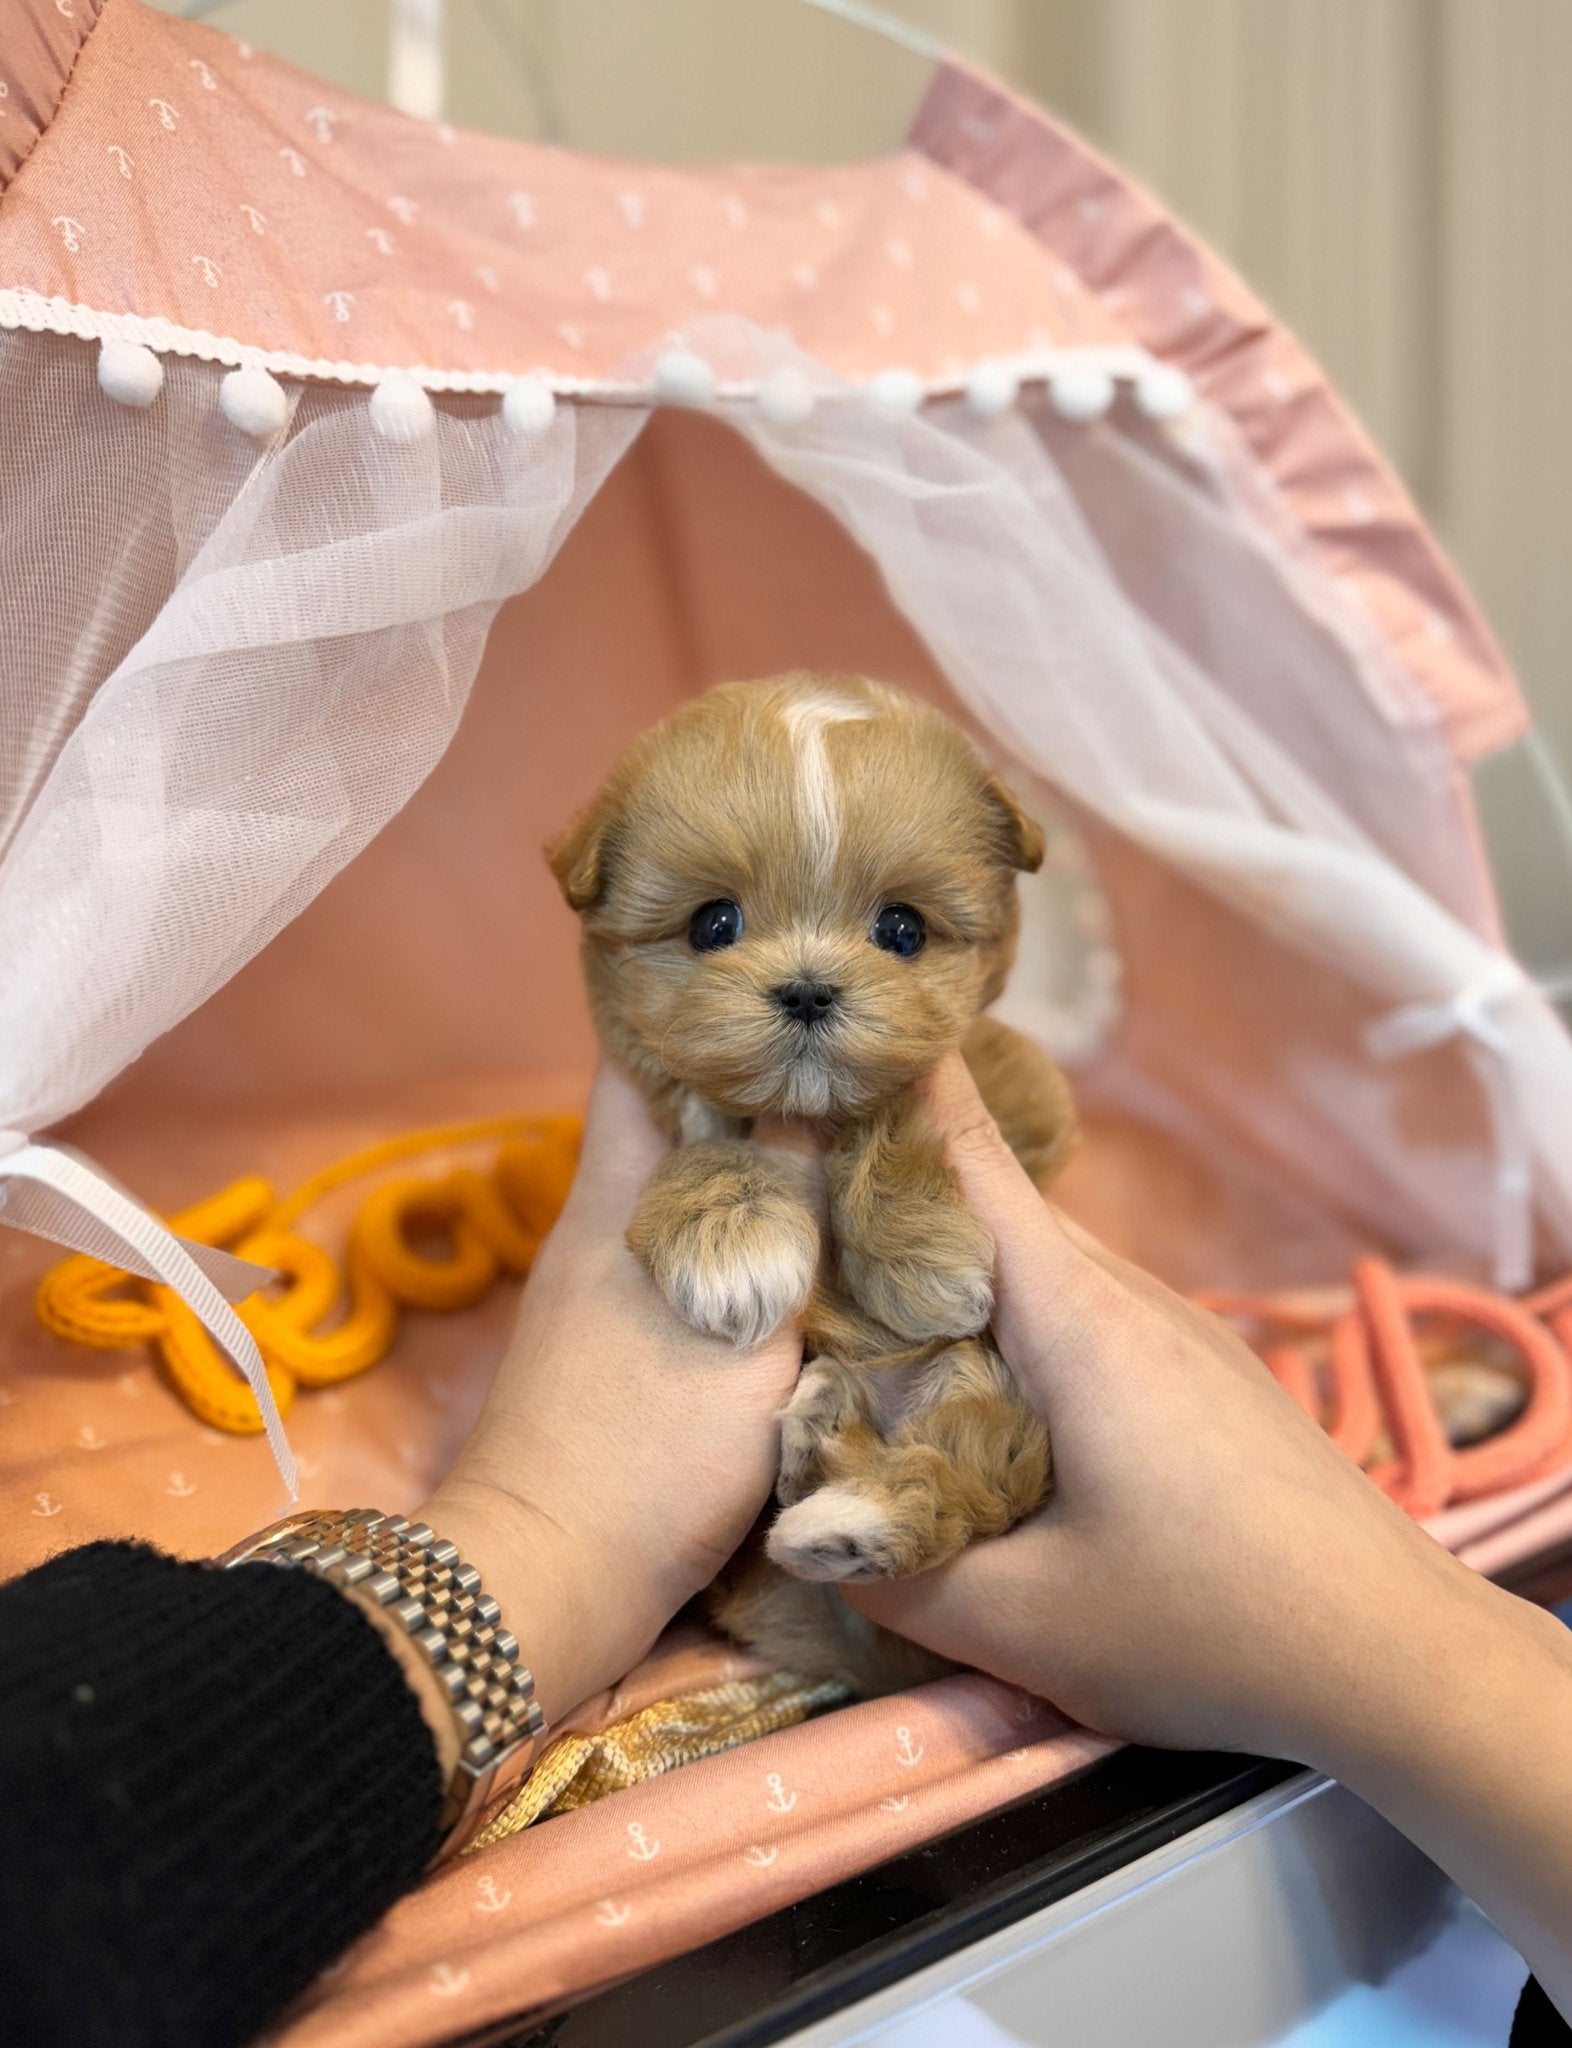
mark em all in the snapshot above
pixel 796 897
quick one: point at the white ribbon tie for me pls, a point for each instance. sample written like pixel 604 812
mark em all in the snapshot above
pixel 1470 1015
pixel 55 1193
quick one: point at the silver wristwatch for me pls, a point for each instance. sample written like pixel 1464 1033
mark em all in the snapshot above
pixel 437 1599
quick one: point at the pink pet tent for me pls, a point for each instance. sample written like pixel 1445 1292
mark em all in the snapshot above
pixel 367 484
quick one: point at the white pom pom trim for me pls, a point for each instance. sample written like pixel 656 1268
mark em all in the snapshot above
pixel 992 389
pixel 1080 385
pixel 400 410
pixel 895 394
pixel 129 373
pixel 1163 393
pixel 1081 394
pixel 529 406
pixel 254 402
pixel 786 397
pixel 682 378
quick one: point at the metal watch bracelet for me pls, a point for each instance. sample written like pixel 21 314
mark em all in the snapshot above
pixel 420 1580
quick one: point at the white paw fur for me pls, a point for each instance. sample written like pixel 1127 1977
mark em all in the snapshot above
pixel 742 1292
pixel 838 1534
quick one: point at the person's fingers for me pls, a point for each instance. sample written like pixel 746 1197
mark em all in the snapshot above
pixel 1053 1299
pixel 993 1607
pixel 622 1147
pixel 995 1184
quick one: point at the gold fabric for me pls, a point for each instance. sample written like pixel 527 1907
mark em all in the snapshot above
pixel 577 1769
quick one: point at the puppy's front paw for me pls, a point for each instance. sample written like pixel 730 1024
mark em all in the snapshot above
pixel 728 1242
pixel 731 1276
pixel 839 1534
pixel 940 1283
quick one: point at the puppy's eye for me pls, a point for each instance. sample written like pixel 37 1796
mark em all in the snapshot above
pixel 900 929
pixel 714 925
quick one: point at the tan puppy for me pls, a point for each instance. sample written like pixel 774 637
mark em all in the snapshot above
pixel 797 896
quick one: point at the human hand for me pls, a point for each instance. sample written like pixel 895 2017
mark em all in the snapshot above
pixel 1210 1571
pixel 621 1457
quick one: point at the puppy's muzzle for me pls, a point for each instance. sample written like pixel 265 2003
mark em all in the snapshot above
pixel 808 1003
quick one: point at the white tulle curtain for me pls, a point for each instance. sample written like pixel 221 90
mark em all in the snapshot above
pixel 1149 646
pixel 230 671
pixel 230 668
pixel 227 669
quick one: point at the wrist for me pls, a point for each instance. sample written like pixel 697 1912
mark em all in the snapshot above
pixel 569 1614
pixel 1455 1674
pixel 1483 1782
pixel 459 1660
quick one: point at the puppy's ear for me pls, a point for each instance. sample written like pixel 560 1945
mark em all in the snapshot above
pixel 577 856
pixel 1021 836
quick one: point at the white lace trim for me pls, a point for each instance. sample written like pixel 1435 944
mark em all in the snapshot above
pixel 33 312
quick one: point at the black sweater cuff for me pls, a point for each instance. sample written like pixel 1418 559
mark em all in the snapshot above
pixel 210 1783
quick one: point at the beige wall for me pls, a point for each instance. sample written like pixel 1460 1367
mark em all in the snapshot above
pixel 1395 176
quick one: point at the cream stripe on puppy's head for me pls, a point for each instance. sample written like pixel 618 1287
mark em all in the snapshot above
pixel 804 718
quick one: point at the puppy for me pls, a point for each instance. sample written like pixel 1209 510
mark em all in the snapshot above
pixel 797 896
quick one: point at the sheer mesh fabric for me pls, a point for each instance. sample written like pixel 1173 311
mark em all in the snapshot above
pixel 229 667
pixel 228 670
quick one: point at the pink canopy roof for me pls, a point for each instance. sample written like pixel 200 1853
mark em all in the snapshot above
pixel 166 184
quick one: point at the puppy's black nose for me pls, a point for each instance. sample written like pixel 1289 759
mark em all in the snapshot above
pixel 807 1002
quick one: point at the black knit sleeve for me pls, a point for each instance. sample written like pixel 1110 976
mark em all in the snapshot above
pixel 1537 2024
pixel 210 1783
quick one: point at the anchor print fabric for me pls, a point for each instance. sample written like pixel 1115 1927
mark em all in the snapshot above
pixel 646 1874
pixel 188 178
pixel 93 1444
pixel 36 57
